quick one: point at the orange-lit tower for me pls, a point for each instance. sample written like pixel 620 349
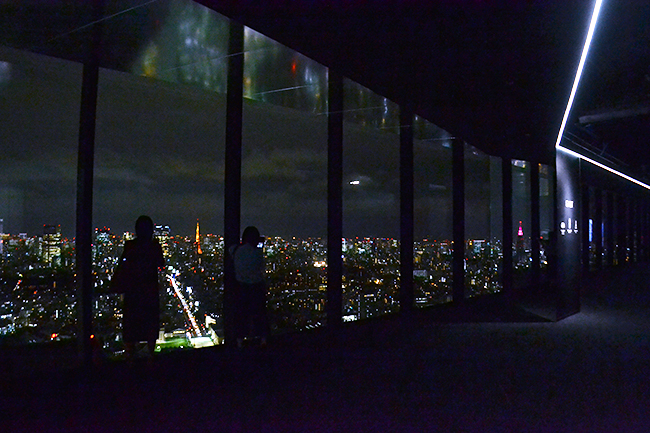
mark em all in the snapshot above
pixel 198 239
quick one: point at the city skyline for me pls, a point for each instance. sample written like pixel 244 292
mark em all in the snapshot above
pixel 38 290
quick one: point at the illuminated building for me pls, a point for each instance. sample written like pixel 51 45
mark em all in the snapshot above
pixel 102 235
pixel 520 246
pixel 51 244
pixel 162 234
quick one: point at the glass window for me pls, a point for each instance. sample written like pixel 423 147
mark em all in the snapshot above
pixel 39 101
pixel 604 228
pixel 483 223
pixel 521 222
pixel 284 177
pixel 178 41
pixel 591 221
pixel 629 228
pixel 634 229
pixel 433 209
pixel 160 142
pixel 546 212
pixel 616 229
pixel 370 203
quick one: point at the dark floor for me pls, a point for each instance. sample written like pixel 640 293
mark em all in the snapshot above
pixel 499 373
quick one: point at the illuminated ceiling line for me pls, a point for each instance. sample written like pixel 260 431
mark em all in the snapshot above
pixel 349 110
pixel 583 58
pixel 213 59
pixel 85 26
pixel 585 50
pixel 284 89
pixel 603 166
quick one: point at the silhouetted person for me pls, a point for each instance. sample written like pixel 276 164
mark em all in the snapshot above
pixel 248 259
pixel 141 258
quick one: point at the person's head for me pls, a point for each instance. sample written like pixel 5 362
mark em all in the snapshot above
pixel 144 227
pixel 251 236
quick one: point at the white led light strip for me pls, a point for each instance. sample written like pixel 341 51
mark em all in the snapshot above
pixel 581 65
pixel 603 166
pixel 583 58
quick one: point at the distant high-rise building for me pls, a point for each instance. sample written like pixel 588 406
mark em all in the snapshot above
pixel 102 242
pixel 162 233
pixel 2 238
pixel 51 244
pixel 102 235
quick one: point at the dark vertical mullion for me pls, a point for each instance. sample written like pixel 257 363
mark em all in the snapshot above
pixel 626 222
pixel 639 229
pixel 644 230
pixel 609 227
pixel 407 293
pixel 635 228
pixel 232 180
pixel 534 223
pixel 506 266
pixel 85 173
pixel 334 200
pixel 643 211
pixel 583 227
pixel 645 214
pixel 458 161
pixel 597 230
pixel 640 210
pixel 621 231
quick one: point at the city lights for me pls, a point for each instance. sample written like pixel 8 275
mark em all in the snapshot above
pixel 296 276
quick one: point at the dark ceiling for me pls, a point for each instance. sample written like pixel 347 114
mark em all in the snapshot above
pixel 496 73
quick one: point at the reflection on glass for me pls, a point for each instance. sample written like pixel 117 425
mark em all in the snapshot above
pixel 181 42
pixel 39 101
pixel 370 204
pixel 483 223
pixel 433 209
pixel 280 76
pixel 284 177
pixel 521 188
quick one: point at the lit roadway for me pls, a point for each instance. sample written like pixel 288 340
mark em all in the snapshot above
pixel 186 308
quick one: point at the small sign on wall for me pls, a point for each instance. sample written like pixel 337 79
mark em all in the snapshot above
pixel 569 227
